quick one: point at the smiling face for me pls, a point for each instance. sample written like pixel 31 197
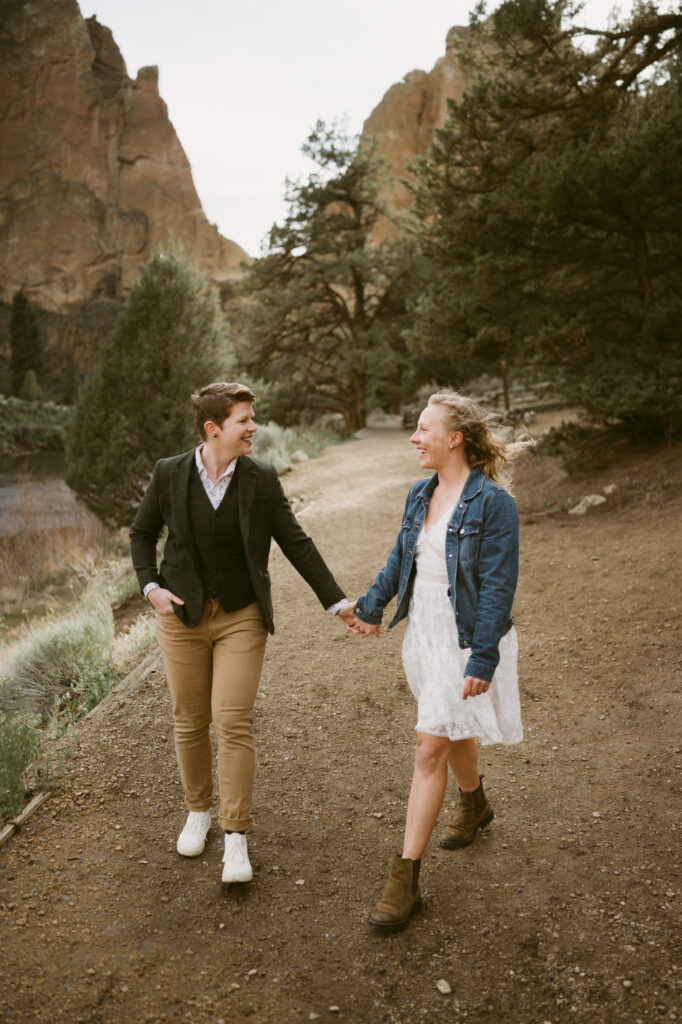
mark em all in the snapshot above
pixel 235 435
pixel 432 438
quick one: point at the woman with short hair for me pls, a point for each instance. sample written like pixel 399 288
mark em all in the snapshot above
pixel 211 595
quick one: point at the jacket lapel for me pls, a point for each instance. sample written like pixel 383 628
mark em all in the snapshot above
pixel 246 486
pixel 179 495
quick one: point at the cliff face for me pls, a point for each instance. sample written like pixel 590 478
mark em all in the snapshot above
pixel 403 124
pixel 92 175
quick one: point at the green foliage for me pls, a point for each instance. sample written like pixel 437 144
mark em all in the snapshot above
pixel 579 444
pixel 135 407
pixel 550 207
pixel 69 659
pixel 283 446
pixel 31 390
pixel 32 426
pixel 20 744
pixel 24 340
pixel 325 307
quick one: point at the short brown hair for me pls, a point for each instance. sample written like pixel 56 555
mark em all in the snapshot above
pixel 215 401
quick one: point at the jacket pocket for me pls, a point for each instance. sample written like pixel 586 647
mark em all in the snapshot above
pixel 469 539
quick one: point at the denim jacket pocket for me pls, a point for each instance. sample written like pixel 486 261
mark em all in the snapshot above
pixel 469 541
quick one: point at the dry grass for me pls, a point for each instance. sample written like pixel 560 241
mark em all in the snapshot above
pixel 44 533
pixel 20 744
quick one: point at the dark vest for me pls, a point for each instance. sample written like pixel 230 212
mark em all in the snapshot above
pixel 218 541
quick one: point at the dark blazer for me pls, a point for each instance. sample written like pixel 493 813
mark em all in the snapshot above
pixel 264 515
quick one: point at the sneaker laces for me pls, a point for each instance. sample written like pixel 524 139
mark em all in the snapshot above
pixel 233 849
pixel 195 822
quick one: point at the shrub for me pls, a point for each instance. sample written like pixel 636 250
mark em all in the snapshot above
pixel 31 426
pixel 580 444
pixel 30 389
pixel 70 659
pixel 272 444
pixel 280 445
pixel 20 743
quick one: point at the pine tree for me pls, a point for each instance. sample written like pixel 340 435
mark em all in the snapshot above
pixel 135 407
pixel 325 307
pixel 30 389
pixel 25 342
pixel 551 206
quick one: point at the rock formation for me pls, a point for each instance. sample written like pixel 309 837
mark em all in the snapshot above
pixel 92 175
pixel 403 124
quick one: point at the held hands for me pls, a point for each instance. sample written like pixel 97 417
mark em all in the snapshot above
pixel 474 686
pixel 163 600
pixel 355 625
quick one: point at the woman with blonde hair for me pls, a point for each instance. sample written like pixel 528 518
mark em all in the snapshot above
pixel 454 568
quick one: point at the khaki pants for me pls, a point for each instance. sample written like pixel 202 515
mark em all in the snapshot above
pixel 213 672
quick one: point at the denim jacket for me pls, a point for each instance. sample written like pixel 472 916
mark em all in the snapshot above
pixel 482 556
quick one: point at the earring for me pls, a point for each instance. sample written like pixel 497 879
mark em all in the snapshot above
pixel 452 446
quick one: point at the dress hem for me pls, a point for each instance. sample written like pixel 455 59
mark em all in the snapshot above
pixel 483 740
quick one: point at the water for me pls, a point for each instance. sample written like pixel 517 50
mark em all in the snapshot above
pixel 33 495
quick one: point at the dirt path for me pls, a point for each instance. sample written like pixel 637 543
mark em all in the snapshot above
pixel 565 909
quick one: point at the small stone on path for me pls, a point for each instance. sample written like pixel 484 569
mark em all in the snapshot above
pixel 443 987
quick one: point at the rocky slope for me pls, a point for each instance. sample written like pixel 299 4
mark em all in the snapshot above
pixel 92 175
pixel 93 178
pixel 404 123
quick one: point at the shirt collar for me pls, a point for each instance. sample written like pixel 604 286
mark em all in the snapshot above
pixel 203 472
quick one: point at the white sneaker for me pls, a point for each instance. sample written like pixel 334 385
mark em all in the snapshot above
pixel 236 863
pixel 192 839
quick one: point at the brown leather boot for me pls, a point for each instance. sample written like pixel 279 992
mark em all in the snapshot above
pixel 401 898
pixel 473 812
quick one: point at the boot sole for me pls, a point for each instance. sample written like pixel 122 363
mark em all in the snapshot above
pixel 396 926
pixel 457 844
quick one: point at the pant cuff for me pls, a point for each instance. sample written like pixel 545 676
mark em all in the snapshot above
pixel 235 824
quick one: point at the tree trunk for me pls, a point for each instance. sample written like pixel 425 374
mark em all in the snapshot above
pixel 356 413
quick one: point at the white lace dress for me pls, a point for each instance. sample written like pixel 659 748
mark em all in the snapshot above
pixel 435 663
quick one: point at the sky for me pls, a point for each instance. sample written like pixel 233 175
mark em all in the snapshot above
pixel 246 81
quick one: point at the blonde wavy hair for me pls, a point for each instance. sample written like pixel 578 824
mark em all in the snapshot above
pixel 484 450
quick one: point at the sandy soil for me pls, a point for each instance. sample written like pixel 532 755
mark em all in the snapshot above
pixel 565 909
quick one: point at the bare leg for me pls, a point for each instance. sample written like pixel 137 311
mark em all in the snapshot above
pixel 463 760
pixel 427 792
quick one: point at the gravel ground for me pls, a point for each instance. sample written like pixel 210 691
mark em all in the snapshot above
pixel 566 908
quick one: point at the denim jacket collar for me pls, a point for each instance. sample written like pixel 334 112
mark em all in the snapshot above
pixel 473 486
